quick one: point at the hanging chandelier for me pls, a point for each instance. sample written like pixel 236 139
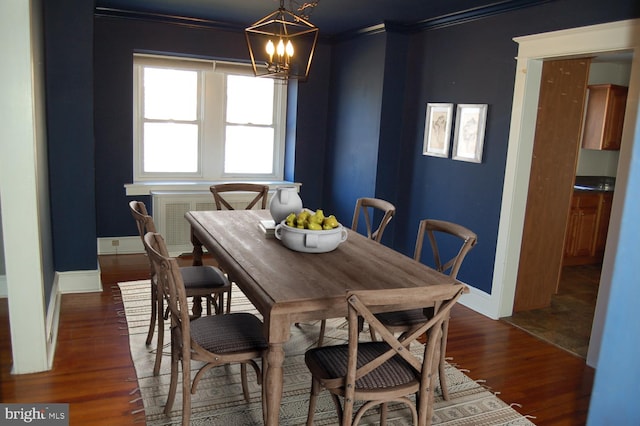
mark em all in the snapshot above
pixel 281 44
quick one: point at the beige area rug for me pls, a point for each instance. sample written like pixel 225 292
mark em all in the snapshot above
pixel 219 399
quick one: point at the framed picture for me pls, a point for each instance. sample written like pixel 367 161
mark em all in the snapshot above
pixel 468 139
pixel 437 130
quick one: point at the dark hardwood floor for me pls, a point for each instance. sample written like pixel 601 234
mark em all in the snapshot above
pixel 93 371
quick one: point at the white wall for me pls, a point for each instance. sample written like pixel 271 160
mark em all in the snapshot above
pixel 23 146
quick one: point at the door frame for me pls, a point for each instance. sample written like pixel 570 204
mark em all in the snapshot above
pixel 532 51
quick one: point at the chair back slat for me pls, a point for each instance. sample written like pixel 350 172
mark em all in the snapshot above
pixel 432 228
pixel 144 221
pixel 170 283
pixel 261 194
pixel 368 207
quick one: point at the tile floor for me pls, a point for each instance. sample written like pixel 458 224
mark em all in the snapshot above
pixel 567 322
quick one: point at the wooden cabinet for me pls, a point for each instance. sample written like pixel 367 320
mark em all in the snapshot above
pixel 603 224
pixel 587 227
pixel 604 117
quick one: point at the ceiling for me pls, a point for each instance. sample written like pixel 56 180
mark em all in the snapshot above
pixel 331 16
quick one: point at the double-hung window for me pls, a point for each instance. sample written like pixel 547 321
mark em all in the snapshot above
pixel 205 121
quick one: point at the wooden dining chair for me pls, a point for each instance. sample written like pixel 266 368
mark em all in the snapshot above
pixel 368 207
pixel 222 191
pixel 386 371
pixel 206 282
pixel 406 320
pixel 214 340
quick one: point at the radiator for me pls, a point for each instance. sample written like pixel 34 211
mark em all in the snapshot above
pixel 168 212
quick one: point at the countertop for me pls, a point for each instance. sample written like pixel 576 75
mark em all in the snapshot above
pixel 595 183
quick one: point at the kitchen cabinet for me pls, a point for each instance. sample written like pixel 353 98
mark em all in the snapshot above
pixel 604 117
pixel 587 227
pixel 603 224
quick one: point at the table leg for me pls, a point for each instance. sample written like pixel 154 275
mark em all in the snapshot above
pixel 273 383
pixel 197 250
pixel 197 261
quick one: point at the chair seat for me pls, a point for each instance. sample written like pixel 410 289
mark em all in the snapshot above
pixel 202 276
pixel 330 362
pixel 405 318
pixel 229 333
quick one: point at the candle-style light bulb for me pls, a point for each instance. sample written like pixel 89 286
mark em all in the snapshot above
pixel 270 50
pixel 280 49
pixel 289 49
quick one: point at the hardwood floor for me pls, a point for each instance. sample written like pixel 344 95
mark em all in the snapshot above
pixel 93 371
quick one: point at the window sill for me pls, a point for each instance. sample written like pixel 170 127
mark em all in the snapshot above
pixel 146 188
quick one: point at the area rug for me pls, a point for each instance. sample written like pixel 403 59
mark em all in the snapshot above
pixel 219 399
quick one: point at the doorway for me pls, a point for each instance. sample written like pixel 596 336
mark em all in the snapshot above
pixel 577 42
pixel 566 319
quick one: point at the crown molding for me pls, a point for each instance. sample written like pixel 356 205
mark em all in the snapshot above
pixel 442 21
pixel 105 12
pixel 451 19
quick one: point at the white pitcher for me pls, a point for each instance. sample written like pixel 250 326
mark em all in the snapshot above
pixel 285 201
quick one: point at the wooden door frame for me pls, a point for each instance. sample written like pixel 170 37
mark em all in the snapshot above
pixel 584 41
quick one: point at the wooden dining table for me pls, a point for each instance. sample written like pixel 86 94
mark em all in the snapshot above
pixel 288 287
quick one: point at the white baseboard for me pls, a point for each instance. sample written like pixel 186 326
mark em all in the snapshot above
pixel 480 302
pixel 4 291
pixel 78 281
pixel 133 245
pixel 52 321
pixel 120 245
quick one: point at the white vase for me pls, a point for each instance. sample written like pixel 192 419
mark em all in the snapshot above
pixel 285 201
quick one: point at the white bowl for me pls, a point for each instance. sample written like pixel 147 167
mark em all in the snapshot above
pixel 308 240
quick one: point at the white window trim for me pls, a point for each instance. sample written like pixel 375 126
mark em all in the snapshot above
pixel 208 171
pixel 147 188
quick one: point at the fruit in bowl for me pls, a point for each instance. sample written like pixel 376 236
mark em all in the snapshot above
pixel 315 221
pixel 310 232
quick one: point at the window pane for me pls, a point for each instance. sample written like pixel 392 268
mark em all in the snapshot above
pixel 248 150
pixel 170 94
pixel 249 100
pixel 170 147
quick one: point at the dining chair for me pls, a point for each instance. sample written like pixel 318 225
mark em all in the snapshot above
pixel 448 232
pixel 205 281
pixel 369 207
pixel 214 340
pixel 383 371
pixel 223 201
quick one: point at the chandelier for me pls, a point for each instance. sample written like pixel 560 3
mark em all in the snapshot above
pixel 281 44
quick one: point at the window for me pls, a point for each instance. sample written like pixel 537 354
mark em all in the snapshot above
pixel 206 121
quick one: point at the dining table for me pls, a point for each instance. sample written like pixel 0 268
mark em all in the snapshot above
pixel 289 287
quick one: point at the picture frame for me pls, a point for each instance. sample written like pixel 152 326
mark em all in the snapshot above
pixel 437 129
pixel 468 140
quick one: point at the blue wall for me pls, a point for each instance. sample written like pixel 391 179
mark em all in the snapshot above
pixel 354 124
pixel 614 400
pixel 312 129
pixel 360 119
pixel 69 106
pixel 466 63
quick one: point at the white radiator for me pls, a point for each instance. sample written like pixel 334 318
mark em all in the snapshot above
pixel 169 208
